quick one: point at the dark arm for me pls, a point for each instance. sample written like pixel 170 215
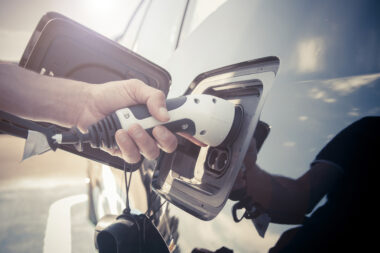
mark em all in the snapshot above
pixel 287 200
pixel 352 153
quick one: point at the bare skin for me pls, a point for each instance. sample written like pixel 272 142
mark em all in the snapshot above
pixel 72 103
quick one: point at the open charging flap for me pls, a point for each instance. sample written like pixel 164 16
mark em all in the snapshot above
pixel 199 180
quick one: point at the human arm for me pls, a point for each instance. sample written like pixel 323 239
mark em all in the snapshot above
pixel 32 96
pixel 73 103
pixel 286 200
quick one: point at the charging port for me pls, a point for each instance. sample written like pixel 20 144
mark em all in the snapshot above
pixel 217 161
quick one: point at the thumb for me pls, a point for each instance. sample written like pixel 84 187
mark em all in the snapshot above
pixel 154 99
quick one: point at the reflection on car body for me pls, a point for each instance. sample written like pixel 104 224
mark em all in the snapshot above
pixel 329 77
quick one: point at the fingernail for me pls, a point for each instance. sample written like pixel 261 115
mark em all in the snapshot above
pixel 164 113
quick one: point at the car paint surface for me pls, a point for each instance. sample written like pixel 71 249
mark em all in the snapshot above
pixel 329 77
pixel 329 71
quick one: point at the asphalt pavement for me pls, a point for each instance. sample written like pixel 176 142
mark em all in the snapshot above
pixel 43 201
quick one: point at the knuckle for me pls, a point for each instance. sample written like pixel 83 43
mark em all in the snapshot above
pixel 132 159
pixel 121 138
pixel 131 154
pixel 151 152
pixel 137 82
pixel 145 143
pixel 159 94
pixel 166 139
pixel 136 131
pixel 171 145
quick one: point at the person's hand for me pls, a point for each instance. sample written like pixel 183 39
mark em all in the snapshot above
pixel 251 156
pixel 249 164
pixel 105 98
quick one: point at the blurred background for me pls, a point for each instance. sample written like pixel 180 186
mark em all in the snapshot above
pixel 329 77
pixel 29 189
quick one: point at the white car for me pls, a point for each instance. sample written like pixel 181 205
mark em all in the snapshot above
pixel 328 77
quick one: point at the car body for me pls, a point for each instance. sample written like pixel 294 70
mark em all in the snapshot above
pixel 329 77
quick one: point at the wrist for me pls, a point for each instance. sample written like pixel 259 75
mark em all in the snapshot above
pixel 41 98
pixel 78 102
pixel 81 106
pixel 67 101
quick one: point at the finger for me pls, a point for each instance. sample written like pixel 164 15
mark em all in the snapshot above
pixel 249 160
pixel 153 98
pixel 144 142
pixel 166 139
pixel 240 181
pixel 112 151
pixel 157 106
pixel 252 146
pixel 251 155
pixel 129 151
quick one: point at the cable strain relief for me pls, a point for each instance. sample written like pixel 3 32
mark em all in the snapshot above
pixel 102 133
pixel 75 137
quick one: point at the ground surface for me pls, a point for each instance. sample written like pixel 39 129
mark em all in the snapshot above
pixel 43 208
pixel 43 201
